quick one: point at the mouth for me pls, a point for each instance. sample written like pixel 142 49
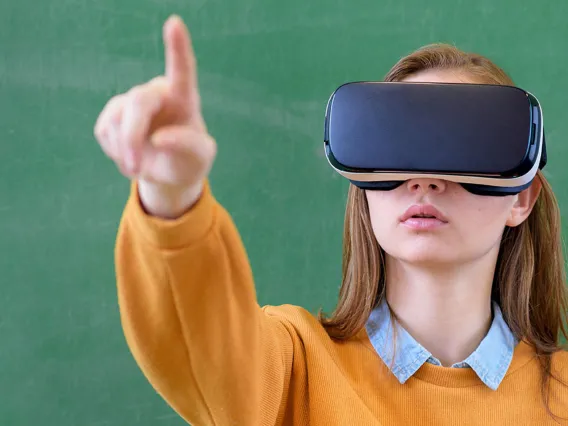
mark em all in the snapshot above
pixel 423 216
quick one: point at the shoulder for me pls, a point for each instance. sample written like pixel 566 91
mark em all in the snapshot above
pixel 560 365
pixel 558 361
pixel 306 325
pixel 296 317
pixel 558 388
pixel 301 322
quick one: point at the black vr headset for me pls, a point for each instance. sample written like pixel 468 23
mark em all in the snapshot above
pixel 488 138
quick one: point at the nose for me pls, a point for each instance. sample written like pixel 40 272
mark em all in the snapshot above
pixel 426 185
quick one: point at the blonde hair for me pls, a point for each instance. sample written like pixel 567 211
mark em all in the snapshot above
pixel 529 282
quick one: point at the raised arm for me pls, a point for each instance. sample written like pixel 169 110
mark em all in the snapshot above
pixel 186 293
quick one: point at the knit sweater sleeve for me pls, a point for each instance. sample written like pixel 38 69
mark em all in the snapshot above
pixel 191 319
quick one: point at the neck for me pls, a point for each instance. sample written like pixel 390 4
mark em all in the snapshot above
pixel 447 310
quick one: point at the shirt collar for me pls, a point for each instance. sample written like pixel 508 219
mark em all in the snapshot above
pixel 490 360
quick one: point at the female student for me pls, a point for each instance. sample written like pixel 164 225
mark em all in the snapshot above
pixel 455 324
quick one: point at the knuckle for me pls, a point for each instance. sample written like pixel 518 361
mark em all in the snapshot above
pixel 143 91
pixel 145 94
pixel 114 105
pixel 110 144
pixel 210 143
pixel 100 132
pixel 211 148
pixel 159 81
pixel 110 112
pixel 136 95
pixel 109 152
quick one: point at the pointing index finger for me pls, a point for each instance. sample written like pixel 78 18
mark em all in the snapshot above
pixel 180 59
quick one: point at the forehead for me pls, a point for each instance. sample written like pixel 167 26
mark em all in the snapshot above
pixel 439 76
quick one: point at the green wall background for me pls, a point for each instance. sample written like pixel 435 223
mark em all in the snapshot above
pixel 266 70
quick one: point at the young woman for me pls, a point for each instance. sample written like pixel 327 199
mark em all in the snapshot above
pixel 458 323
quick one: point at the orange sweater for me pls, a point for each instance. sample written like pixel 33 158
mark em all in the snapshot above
pixel 192 321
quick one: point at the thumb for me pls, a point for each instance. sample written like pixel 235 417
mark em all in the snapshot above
pixel 186 139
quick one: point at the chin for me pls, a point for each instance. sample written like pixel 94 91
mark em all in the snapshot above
pixel 426 253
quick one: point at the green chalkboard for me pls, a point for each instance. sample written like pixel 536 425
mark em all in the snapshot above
pixel 267 68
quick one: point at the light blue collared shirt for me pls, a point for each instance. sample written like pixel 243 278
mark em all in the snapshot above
pixel 490 360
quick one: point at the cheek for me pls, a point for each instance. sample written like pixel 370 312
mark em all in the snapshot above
pixel 478 212
pixel 477 225
pixel 384 211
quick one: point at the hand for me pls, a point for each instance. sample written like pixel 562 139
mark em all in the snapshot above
pixel 155 132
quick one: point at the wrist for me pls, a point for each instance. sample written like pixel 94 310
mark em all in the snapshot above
pixel 167 202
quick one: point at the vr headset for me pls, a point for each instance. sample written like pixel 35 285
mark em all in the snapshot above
pixel 488 138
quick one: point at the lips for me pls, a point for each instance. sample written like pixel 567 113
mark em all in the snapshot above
pixel 423 212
